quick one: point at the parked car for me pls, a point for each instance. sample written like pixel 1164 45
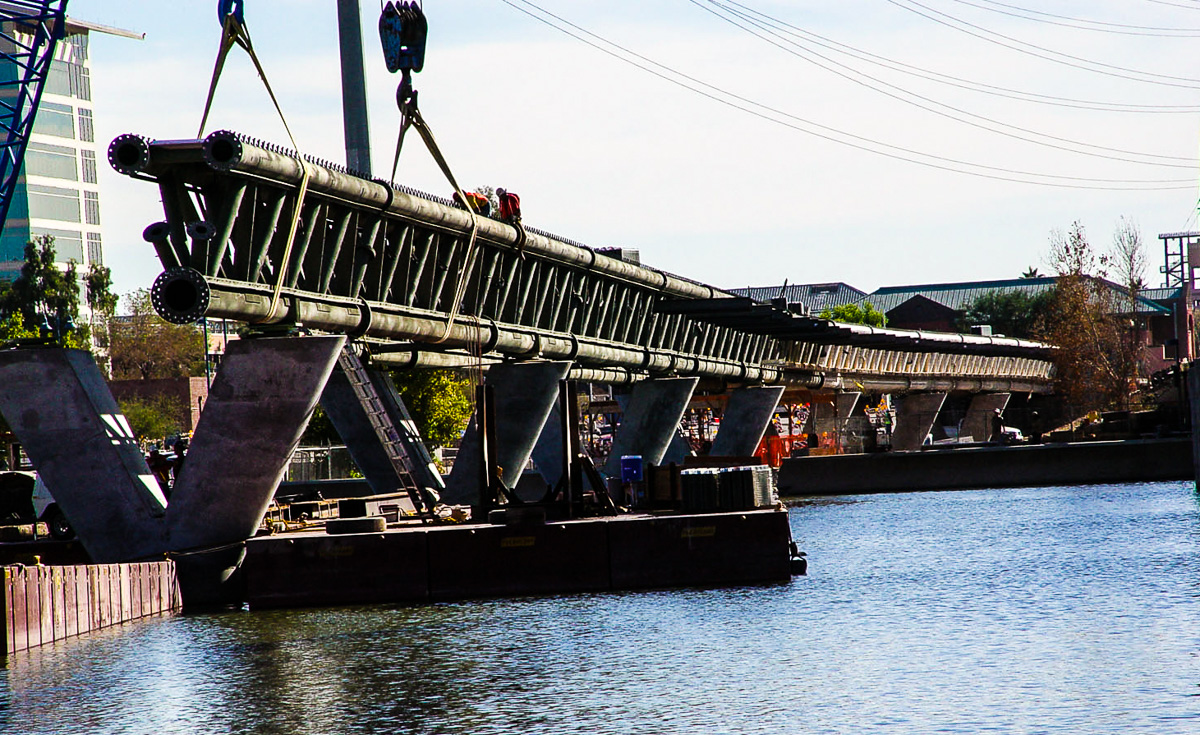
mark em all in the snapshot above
pixel 24 498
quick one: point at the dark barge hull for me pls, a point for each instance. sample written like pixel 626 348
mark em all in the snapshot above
pixel 415 564
pixel 1077 463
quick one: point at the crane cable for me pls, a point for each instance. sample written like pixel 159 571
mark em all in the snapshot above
pixel 402 33
pixel 234 31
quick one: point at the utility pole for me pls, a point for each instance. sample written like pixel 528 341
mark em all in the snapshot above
pixel 354 88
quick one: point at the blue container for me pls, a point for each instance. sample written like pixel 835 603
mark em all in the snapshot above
pixel 631 468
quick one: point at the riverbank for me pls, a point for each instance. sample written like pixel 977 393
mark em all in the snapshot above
pixel 1075 463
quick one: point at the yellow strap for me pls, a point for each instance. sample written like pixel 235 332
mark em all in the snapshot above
pixel 234 32
pixel 418 122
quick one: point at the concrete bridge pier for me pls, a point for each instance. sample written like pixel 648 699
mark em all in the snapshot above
pixel 548 449
pixel 651 421
pixel 369 415
pixel 258 407
pixel 745 420
pixel 915 417
pixel 978 422
pixel 525 393
pixel 61 409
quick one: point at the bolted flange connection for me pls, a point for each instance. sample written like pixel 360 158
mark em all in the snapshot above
pixel 180 295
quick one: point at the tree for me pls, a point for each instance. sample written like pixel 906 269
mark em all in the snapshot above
pixel 855 314
pixel 154 418
pixel 1128 259
pixel 101 302
pixel 1011 313
pixel 1031 272
pixel 47 297
pixel 144 346
pixel 439 401
pixel 1091 367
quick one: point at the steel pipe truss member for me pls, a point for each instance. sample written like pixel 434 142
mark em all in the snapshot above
pixel 387 264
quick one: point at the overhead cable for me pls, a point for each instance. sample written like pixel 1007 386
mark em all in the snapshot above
pixel 960 82
pixel 831 134
pixel 957 114
pixel 1041 52
pixel 1014 11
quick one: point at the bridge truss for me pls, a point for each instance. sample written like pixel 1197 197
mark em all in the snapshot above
pixel 399 271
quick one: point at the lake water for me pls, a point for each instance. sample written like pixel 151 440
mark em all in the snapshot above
pixel 1049 610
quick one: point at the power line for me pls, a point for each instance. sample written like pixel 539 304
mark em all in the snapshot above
pixel 1041 52
pixel 832 134
pixel 959 82
pixel 1174 5
pixel 1014 11
pixel 851 73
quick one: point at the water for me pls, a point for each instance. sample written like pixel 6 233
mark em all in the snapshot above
pixel 1052 610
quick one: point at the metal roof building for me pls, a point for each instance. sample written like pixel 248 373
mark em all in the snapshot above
pixel 960 296
pixel 815 297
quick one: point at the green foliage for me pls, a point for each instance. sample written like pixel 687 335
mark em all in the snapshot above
pixel 855 314
pixel 45 295
pixel 13 327
pixel 439 401
pixel 1011 313
pixel 320 431
pixel 145 346
pixel 101 301
pixel 154 418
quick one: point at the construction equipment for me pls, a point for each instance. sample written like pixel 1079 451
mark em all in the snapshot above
pixel 29 32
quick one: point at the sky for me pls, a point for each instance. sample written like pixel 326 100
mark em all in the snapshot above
pixel 717 137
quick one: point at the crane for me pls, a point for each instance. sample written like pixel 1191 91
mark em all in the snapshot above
pixel 29 31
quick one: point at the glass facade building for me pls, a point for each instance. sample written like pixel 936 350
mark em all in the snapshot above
pixel 58 190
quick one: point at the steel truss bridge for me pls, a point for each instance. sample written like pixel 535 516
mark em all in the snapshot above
pixel 400 271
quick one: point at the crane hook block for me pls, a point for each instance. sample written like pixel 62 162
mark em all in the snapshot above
pixel 402 31
pixel 226 8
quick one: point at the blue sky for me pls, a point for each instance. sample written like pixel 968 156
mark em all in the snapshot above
pixel 611 155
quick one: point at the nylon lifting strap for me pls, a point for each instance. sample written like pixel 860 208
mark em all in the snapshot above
pixel 410 116
pixel 234 32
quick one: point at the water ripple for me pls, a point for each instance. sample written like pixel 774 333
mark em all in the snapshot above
pixel 1051 610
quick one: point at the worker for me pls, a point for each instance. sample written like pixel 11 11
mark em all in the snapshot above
pixel 479 203
pixel 160 467
pixel 510 206
pixel 510 212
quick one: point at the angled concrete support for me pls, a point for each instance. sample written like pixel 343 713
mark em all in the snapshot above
pixel 258 407
pixel 847 404
pixel 59 406
pixel 915 416
pixel 978 422
pixel 745 420
pixel 678 450
pixel 652 414
pixel 524 393
pixel 362 404
pixel 423 468
pixel 548 450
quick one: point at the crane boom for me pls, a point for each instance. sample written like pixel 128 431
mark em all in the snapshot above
pixel 29 31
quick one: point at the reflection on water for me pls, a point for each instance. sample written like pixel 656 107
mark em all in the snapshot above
pixel 1067 610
